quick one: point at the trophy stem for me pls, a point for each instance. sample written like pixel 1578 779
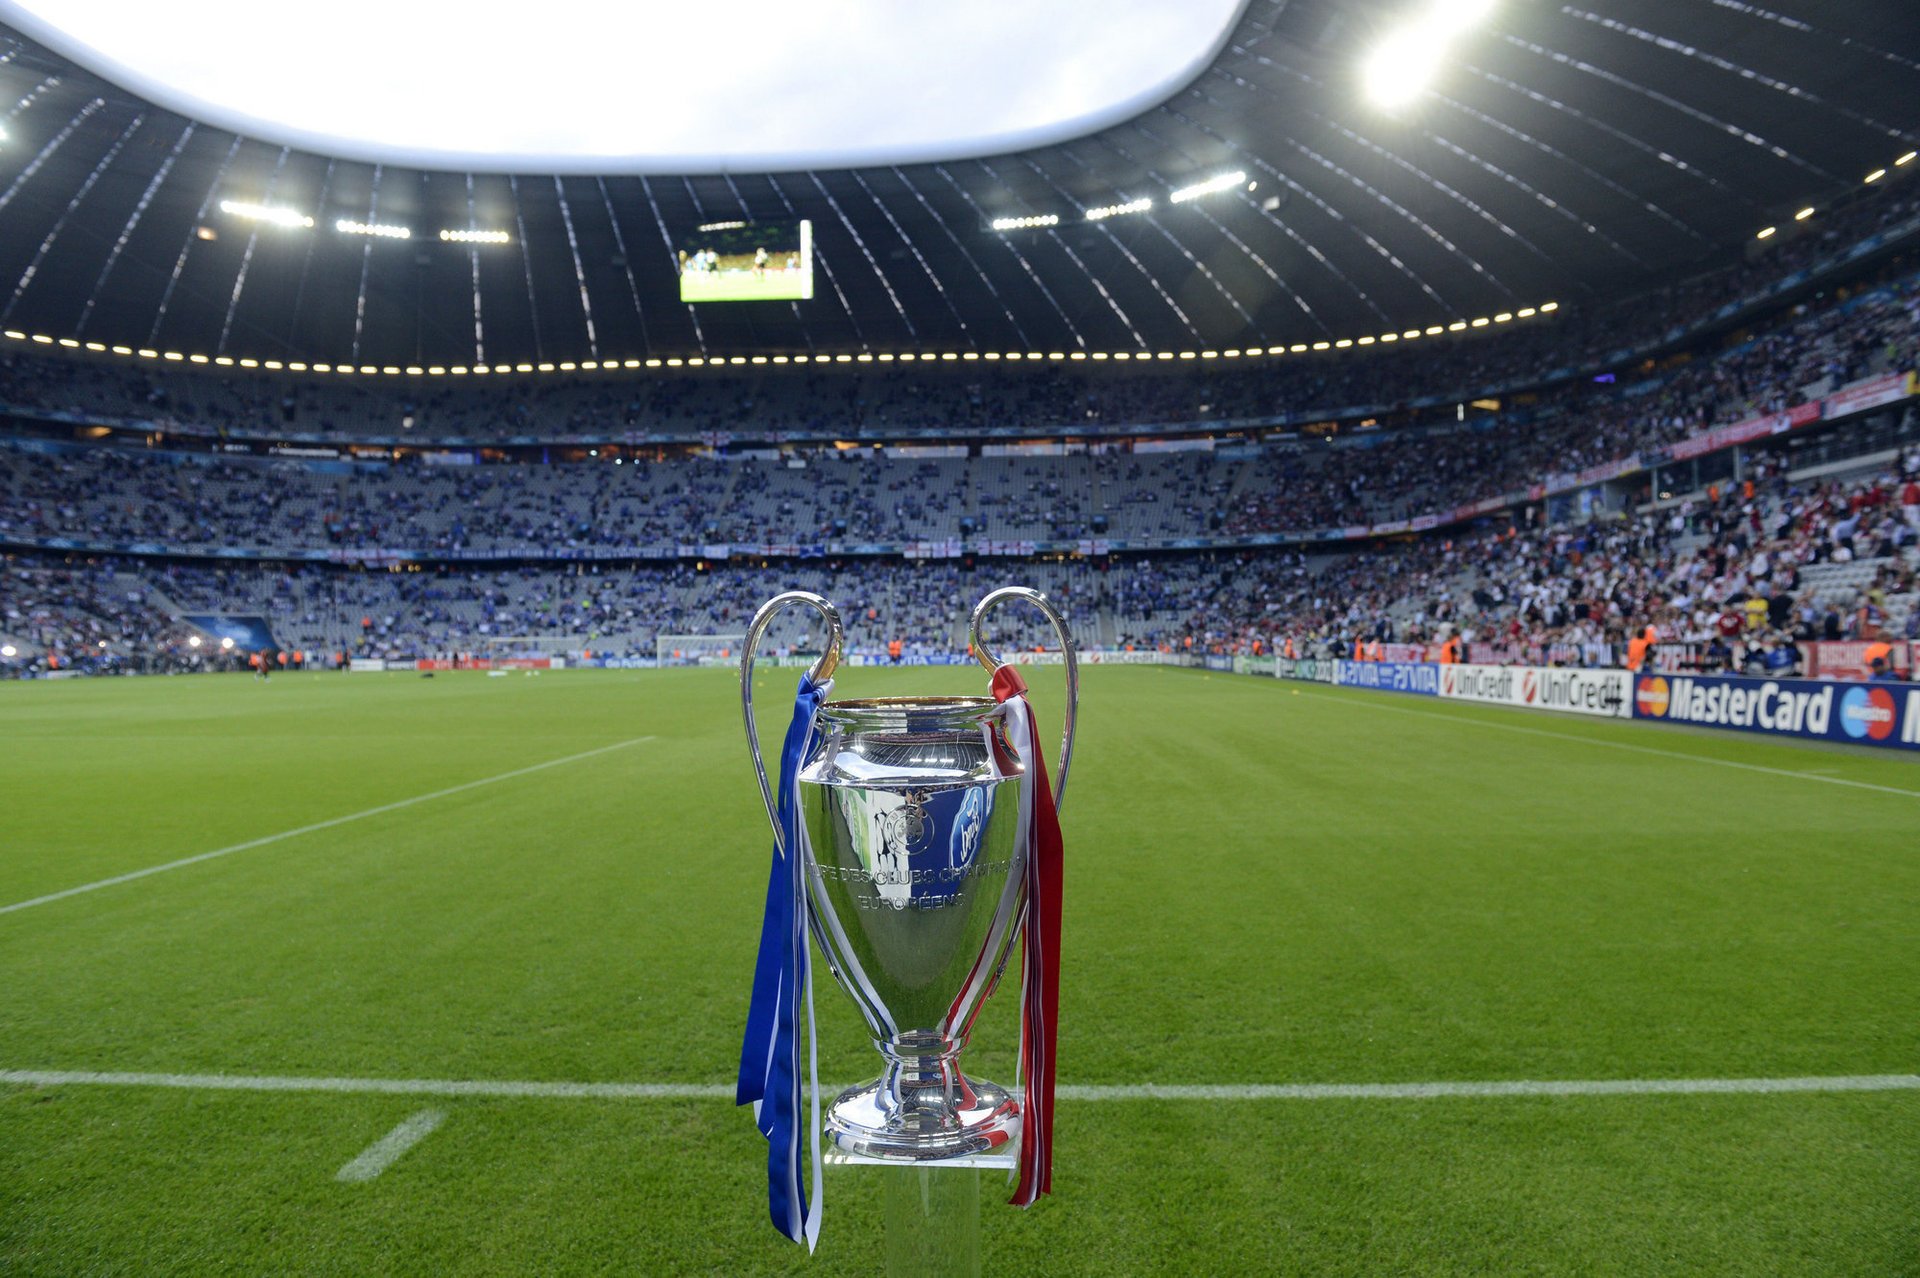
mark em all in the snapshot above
pixel 932 1219
pixel 922 1108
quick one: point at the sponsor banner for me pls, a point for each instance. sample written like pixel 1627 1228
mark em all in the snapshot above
pixel 1307 668
pixel 366 665
pixel 1391 676
pixel 1403 652
pixel 1565 480
pixel 1741 432
pixel 1876 714
pixel 1219 661
pixel 1126 657
pixel 1597 692
pixel 1872 393
pixel 1847 659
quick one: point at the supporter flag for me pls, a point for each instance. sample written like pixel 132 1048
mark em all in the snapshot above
pixel 1040 955
pixel 782 984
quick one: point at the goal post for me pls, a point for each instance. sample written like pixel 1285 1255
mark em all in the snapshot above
pixel 698 650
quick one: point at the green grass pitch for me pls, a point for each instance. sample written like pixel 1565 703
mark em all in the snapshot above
pixel 1267 883
pixel 744 286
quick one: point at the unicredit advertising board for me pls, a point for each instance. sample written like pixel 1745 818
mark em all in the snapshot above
pixel 1876 714
pixel 1393 676
pixel 1305 668
pixel 1598 692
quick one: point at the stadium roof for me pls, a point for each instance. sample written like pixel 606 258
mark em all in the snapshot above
pixel 1561 153
pixel 768 86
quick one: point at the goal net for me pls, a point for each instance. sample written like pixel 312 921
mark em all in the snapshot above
pixel 698 650
pixel 533 652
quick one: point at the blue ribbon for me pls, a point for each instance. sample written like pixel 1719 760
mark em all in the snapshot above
pixel 770 1054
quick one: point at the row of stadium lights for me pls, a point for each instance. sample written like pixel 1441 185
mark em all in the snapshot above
pixel 296 221
pixel 1768 232
pixel 1039 221
pixel 698 361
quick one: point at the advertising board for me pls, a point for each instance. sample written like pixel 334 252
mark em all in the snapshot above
pixel 1307 668
pixel 1847 658
pixel 1872 392
pixel 1875 714
pixel 1596 692
pixel 1391 676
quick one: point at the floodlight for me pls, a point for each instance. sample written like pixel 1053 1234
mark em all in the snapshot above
pixel 1025 223
pixel 266 213
pixel 1116 210
pixel 347 226
pixel 1224 181
pixel 1402 66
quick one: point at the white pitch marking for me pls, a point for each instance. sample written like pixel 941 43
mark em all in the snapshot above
pixel 381 1155
pixel 1068 1091
pixel 1624 745
pixel 315 827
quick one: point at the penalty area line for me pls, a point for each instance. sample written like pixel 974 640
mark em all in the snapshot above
pixel 317 826
pixel 521 1090
pixel 382 1154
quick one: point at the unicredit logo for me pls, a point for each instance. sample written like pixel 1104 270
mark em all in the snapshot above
pixel 1867 713
pixel 1529 686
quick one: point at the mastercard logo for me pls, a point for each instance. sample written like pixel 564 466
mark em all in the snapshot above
pixel 1650 696
pixel 1868 713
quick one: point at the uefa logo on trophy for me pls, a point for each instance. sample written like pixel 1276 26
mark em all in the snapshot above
pixel 916 839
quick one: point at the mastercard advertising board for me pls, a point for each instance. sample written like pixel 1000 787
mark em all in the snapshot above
pixel 1876 714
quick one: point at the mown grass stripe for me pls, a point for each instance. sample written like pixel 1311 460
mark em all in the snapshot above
pixel 317 826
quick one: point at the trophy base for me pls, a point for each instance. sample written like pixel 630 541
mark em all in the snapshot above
pixel 977 1122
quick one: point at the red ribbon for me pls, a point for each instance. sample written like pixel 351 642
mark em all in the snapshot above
pixel 1040 979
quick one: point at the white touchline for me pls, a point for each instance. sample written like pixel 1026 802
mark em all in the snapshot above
pixel 1623 745
pixel 380 1155
pixel 316 826
pixel 531 1090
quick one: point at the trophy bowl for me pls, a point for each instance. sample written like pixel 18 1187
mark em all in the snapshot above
pixel 915 879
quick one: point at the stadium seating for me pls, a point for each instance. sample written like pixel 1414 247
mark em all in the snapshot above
pixel 643 523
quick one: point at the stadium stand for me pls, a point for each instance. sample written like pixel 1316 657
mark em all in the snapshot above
pixel 115 539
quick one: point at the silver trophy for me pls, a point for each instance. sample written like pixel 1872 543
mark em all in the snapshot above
pixel 915 868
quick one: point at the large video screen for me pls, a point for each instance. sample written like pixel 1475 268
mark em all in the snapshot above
pixel 747 262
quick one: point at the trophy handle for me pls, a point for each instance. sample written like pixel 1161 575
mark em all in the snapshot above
pixel 822 669
pixel 1068 652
